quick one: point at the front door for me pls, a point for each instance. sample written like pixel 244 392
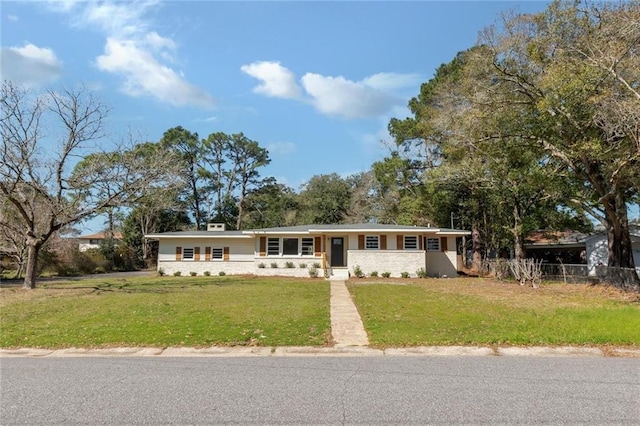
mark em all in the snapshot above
pixel 337 251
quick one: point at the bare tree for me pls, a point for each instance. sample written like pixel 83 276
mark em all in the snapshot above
pixel 37 174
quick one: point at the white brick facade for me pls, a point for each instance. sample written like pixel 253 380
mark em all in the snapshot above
pixel 373 248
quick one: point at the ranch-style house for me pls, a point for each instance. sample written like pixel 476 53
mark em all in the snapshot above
pixel 332 251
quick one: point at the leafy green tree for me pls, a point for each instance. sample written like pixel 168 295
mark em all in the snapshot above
pixel 324 199
pixel 189 153
pixel 271 205
pixel 150 217
pixel 568 77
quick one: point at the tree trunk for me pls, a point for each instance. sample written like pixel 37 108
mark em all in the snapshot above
pixel 619 240
pixel 32 264
pixel 518 238
pixel 617 227
pixel 477 250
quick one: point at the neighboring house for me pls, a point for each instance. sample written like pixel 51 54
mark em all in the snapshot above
pixel 598 252
pixel 290 251
pixel 93 241
pixel 568 247
pixel 571 247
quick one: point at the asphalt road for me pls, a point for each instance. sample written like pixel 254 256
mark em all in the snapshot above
pixel 320 390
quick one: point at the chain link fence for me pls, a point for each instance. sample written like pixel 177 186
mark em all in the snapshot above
pixel 623 278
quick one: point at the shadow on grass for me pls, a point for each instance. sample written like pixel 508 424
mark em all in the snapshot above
pixel 159 286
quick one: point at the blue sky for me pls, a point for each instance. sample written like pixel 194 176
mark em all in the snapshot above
pixel 313 82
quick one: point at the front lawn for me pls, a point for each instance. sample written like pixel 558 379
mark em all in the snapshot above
pixel 476 311
pixel 167 311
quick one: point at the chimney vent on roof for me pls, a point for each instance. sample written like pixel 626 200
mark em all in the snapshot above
pixel 215 227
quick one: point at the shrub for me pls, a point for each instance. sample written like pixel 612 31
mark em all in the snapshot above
pixel 313 272
pixel 177 273
pixel 357 271
pixel 302 265
pixel 274 265
pixel 317 265
pixel 161 272
pixel 261 265
pixel 421 273
pixel 206 273
pixel 193 274
pixel 222 273
pixel 386 274
pixel 289 265
pixel 99 270
pixel 404 274
pixel 373 274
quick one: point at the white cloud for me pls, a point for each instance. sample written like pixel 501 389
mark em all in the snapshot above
pixel 392 81
pixel 348 99
pixel 12 18
pixel 30 64
pixel 276 80
pixel 140 56
pixel 371 97
pixel 145 75
pixel 280 149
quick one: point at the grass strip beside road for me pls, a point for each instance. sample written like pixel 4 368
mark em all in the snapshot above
pixel 167 311
pixel 482 312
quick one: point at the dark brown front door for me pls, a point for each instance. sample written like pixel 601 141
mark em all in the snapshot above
pixel 337 251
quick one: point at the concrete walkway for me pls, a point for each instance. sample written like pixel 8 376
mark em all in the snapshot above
pixel 346 325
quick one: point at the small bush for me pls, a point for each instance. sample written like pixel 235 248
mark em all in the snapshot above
pixel 317 265
pixel 177 273
pixel 289 265
pixel 99 270
pixel 357 271
pixel 274 265
pixel 206 273
pixel 404 274
pixel 386 274
pixel 421 273
pixel 261 265
pixel 373 274
pixel 222 273
pixel 302 265
pixel 313 272
pixel 161 272
pixel 193 274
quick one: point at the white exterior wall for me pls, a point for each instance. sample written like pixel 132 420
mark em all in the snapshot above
pixel 381 261
pixel 244 258
pixel 598 253
pixel 84 245
pixel 240 257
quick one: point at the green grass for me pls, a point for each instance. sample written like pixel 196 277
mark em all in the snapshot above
pixel 167 311
pixel 468 312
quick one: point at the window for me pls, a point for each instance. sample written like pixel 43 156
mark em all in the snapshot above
pixel 433 244
pixel 94 241
pixel 273 246
pixel 290 246
pixel 216 253
pixel 307 247
pixel 187 253
pixel 371 242
pixel 410 242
